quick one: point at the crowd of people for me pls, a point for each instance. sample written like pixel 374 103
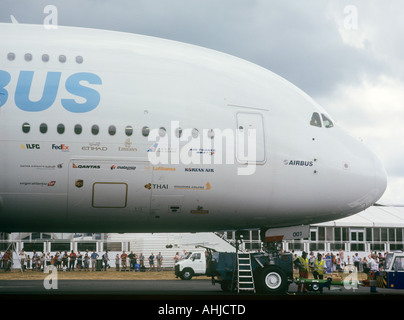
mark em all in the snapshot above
pixel 85 261
pixel 339 262
pixel 317 264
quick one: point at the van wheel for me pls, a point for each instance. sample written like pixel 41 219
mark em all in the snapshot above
pixel 187 274
pixel 272 280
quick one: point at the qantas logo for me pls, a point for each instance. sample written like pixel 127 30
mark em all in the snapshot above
pixel 76 88
pixel 86 166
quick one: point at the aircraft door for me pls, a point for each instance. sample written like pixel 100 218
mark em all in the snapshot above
pixel 250 142
pixel 107 192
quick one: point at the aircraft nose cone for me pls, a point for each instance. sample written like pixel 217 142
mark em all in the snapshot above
pixel 380 175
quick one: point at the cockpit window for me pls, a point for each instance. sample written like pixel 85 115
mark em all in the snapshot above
pixel 315 120
pixel 327 122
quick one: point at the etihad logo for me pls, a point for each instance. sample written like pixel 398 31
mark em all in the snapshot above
pixel 86 166
pixel 94 146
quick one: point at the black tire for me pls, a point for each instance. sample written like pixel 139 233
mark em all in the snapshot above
pixel 187 274
pixel 271 280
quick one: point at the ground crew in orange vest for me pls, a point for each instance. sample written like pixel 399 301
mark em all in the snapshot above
pixel 303 265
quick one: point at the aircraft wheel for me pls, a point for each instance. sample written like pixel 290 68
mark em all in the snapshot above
pixel 272 280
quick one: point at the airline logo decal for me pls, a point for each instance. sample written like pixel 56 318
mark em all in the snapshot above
pixel 86 166
pixel 79 183
pixel 76 88
pixel 31 146
pixel 62 147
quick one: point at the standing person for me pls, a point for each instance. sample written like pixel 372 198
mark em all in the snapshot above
pixel 177 257
pixel 72 257
pixel 7 261
pixel 79 260
pixel 159 261
pixel 141 261
pixel 135 265
pixel 34 260
pixel 48 260
pixel 28 262
pixel 131 257
pixel 319 267
pixel 356 262
pixel 86 262
pixel 124 257
pixel 23 257
pixel 303 265
pixel 151 261
pixel 94 257
pixel 105 260
pixel 65 261
pixel 117 262
pixel 374 272
pixel 342 257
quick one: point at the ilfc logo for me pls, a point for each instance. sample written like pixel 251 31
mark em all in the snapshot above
pixel 75 85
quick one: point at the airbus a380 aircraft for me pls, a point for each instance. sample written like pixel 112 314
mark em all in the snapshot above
pixel 104 131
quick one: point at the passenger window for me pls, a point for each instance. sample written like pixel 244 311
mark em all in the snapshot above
pixel 178 132
pixel 95 129
pixel 145 131
pixel 162 132
pixel 211 134
pixel 112 130
pixel 60 128
pixel 26 127
pixel 43 128
pixel 78 129
pixel 327 122
pixel 128 131
pixel 11 56
pixel 315 120
pixel 28 57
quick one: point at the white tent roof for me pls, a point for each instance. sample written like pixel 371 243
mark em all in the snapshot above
pixel 376 216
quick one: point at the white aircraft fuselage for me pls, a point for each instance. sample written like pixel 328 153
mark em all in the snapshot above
pixel 103 131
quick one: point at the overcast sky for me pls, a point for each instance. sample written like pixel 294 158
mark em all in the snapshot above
pixel 348 55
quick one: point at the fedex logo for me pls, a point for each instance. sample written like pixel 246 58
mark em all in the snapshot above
pixel 62 147
pixel 86 98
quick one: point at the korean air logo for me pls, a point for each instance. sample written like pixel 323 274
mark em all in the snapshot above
pixel 78 92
